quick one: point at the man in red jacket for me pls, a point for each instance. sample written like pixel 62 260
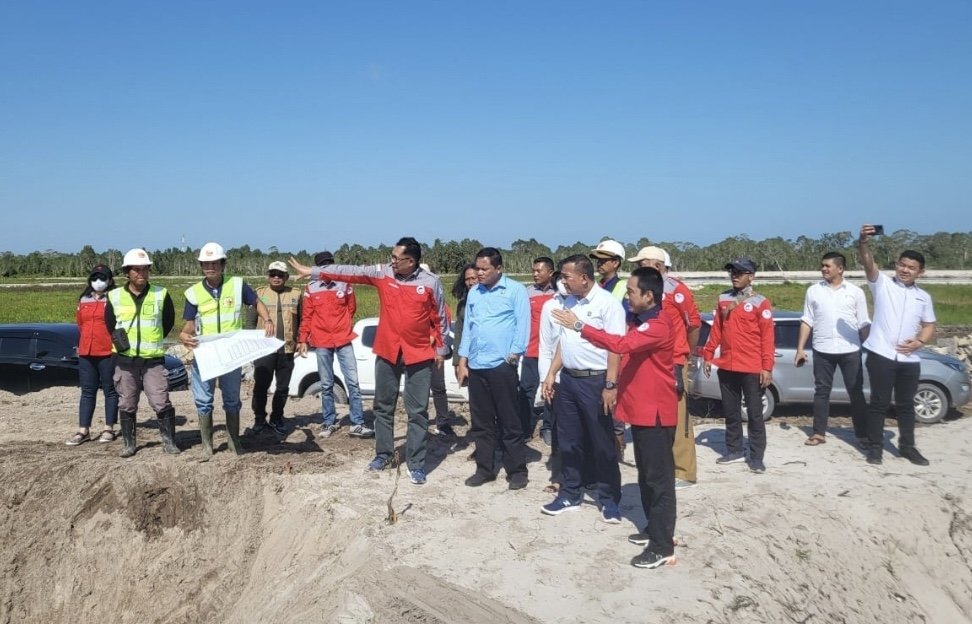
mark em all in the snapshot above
pixel 327 316
pixel 743 331
pixel 647 401
pixel 411 301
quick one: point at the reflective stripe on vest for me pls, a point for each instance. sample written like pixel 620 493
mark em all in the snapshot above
pixel 218 317
pixel 145 332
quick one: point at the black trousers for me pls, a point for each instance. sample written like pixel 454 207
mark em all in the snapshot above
pixel 282 365
pixel 494 407
pixel 901 378
pixel 824 365
pixel 529 382
pixel 656 480
pixel 734 386
pixel 585 438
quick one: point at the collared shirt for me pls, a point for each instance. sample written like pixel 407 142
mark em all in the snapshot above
pixel 497 323
pixel 328 314
pixel 836 316
pixel 743 332
pixel 600 310
pixel 899 311
pixel 550 332
pixel 537 296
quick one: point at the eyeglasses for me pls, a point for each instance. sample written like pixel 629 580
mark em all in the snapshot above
pixel 735 272
pixel 397 259
pixel 277 274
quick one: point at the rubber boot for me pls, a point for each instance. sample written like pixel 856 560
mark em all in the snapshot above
pixel 167 431
pixel 128 433
pixel 233 429
pixel 206 433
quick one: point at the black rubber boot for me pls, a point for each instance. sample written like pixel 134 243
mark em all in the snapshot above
pixel 128 433
pixel 233 429
pixel 206 433
pixel 167 431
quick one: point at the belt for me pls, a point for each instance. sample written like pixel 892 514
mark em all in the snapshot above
pixel 584 372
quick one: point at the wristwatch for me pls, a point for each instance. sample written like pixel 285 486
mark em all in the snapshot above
pixel 578 325
pixel 610 385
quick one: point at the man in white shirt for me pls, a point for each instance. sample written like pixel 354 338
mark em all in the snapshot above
pixel 836 311
pixel 904 321
pixel 586 395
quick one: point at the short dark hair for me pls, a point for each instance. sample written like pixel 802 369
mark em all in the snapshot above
pixel 582 264
pixel 549 263
pixel 492 254
pixel 917 256
pixel 838 258
pixel 459 289
pixel 650 279
pixel 412 248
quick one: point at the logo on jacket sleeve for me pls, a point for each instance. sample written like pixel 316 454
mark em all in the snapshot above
pixel 748 307
pixel 643 327
pixel 679 298
pixel 420 290
pixel 340 294
pixel 767 314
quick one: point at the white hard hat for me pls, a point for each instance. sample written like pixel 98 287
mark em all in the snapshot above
pixel 136 257
pixel 211 251
pixel 608 249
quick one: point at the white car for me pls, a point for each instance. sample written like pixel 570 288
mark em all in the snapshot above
pixel 305 379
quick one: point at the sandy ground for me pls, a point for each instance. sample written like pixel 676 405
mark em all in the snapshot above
pixel 297 531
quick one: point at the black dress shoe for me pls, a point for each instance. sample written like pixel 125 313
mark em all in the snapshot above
pixel 478 479
pixel 911 454
pixel 518 481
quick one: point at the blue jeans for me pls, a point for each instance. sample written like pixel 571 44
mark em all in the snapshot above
pixel 349 366
pixel 204 391
pixel 94 373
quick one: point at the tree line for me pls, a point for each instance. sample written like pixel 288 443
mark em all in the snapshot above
pixel 943 250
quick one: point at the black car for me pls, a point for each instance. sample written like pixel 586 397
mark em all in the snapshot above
pixel 34 356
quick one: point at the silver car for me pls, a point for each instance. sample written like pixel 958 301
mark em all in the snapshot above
pixel 943 384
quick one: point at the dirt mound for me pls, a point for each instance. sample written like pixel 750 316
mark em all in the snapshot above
pixel 297 531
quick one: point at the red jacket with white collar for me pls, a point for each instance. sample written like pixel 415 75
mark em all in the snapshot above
pixel 646 383
pixel 94 341
pixel 743 331
pixel 409 306
pixel 327 314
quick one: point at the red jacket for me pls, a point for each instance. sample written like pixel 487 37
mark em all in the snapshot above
pixel 537 299
pixel 646 383
pixel 408 306
pixel 327 315
pixel 95 341
pixel 679 303
pixel 743 331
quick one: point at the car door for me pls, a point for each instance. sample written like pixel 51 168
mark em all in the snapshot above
pixel 16 351
pixel 793 384
pixel 55 361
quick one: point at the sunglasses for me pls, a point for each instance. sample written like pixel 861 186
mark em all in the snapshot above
pixel 277 274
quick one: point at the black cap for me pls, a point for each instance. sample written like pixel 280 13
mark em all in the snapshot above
pixel 323 258
pixel 100 269
pixel 742 265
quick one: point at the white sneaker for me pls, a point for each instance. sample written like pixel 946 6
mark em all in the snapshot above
pixel 327 430
pixel 682 484
pixel 361 431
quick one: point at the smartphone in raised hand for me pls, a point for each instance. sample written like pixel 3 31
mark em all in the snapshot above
pixel 878 230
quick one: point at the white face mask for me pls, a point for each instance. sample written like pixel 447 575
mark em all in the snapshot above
pixel 561 289
pixel 99 285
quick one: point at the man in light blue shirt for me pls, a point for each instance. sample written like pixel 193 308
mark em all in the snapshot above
pixel 494 338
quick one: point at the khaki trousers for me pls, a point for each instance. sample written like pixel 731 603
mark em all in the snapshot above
pixel 684 447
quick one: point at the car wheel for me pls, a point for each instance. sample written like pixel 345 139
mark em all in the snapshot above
pixel 931 403
pixel 769 406
pixel 340 394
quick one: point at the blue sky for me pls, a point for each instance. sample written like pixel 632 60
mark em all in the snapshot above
pixel 304 125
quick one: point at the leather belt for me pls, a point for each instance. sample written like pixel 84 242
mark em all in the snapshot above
pixel 584 372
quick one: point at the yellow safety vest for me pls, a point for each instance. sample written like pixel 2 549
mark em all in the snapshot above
pixel 217 317
pixel 144 331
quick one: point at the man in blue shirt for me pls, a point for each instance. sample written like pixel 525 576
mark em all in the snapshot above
pixel 494 337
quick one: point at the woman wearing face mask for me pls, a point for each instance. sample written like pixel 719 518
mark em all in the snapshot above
pixel 96 364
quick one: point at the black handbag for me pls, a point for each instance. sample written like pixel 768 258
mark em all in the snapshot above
pixel 119 338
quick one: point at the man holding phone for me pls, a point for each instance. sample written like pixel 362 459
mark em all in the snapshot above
pixel 836 311
pixel 904 321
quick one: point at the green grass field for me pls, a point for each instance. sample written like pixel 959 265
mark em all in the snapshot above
pixel 56 304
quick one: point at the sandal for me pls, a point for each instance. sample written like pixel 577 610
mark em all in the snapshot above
pixel 78 438
pixel 815 439
pixel 107 436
